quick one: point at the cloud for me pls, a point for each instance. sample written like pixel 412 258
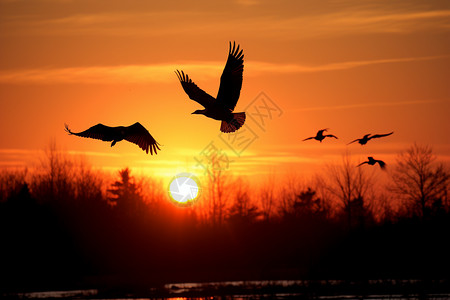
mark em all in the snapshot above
pixel 107 74
pixel 363 21
pixel 16 158
pixel 164 72
pixel 366 18
pixel 96 154
pixel 130 23
pixel 295 68
pixel 247 2
pixel 371 104
pixel 16 151
pixel 265 20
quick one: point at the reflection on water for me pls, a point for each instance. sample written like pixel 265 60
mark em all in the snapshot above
pixel 318 289
pixel 92 294
pixel 79 294
pixel 258 290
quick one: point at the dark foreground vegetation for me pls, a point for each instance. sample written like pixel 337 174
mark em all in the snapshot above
pixel 64 226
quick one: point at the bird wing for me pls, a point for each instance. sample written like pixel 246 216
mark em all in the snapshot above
pixel 381 163
pixel 231 79
pixel 99 132
pixel 330 135
pixel 137 134
pixel 380 135
pixel 353 141
pixel 365 162
pixel 309 138
pixel 193 91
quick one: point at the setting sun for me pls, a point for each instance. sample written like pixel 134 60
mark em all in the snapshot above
pixel 184 189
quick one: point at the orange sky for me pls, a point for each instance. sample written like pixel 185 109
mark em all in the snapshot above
pixel 353 66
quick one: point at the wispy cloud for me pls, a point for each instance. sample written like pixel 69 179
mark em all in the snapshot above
pixel 370 104
pixel 16 151
pixel 96 154
pixel 364 21
pixel 247 2
pixel 164 72
pixel 400 21
pixel 17 158
pixel 108 74
pixel 311 21
pixel 296 68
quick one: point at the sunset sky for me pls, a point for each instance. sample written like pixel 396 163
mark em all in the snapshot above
pixel 353 66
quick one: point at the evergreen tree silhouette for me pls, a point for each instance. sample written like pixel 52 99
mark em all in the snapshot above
pixel 126 194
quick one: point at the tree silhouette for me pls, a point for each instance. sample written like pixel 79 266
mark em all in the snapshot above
pixel 351 186
pixel 307 203
pixel 218 190
pixel 87 183
pixel 267 198
pixel 52 180
pixel 126 194
pixel 11 183
pixel 288 195
pixel 419 180
pixel 242 210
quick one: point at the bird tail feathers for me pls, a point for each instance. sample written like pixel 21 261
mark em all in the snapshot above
pixel 235 123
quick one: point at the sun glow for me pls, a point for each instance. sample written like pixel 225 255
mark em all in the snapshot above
pixel 184 189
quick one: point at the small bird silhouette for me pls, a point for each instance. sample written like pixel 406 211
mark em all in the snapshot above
pixel 136 134
pixel 221 108
pixel 373 161
pixel 367 138
pixel 320 136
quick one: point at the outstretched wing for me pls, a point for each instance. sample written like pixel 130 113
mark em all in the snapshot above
pixel 99 132
pixel 231 79
pixel 321 131
pixel 330 135
pixel 310 138
pixel 193 91
pixel 380 135
pixel 365 162
pixel 381 163
pixel 137 134
pixel 353 141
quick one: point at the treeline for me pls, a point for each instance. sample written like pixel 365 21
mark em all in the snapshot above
pixel 64 225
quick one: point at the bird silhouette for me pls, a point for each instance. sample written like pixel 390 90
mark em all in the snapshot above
pixel 136 134
pixel 320 136
pixel 220 108
pixel 373 161
pixel 368 137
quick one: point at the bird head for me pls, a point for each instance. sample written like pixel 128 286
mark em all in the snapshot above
pixel 199 112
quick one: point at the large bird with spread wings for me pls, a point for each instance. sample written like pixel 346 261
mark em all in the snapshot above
pixel 221 108
pixel 320 136
pixel 136 134
pixel 368 137
pixel 373 161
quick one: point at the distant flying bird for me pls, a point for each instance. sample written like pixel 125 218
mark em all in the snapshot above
pixel 373 161
pixel 220 108
pixel 367 138
pixel 136 134
pixel 320 136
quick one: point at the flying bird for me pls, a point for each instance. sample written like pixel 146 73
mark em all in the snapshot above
pixel 368 137
pixel 136 134
pixel 220 108
pixel 373 161
pixel 320 136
